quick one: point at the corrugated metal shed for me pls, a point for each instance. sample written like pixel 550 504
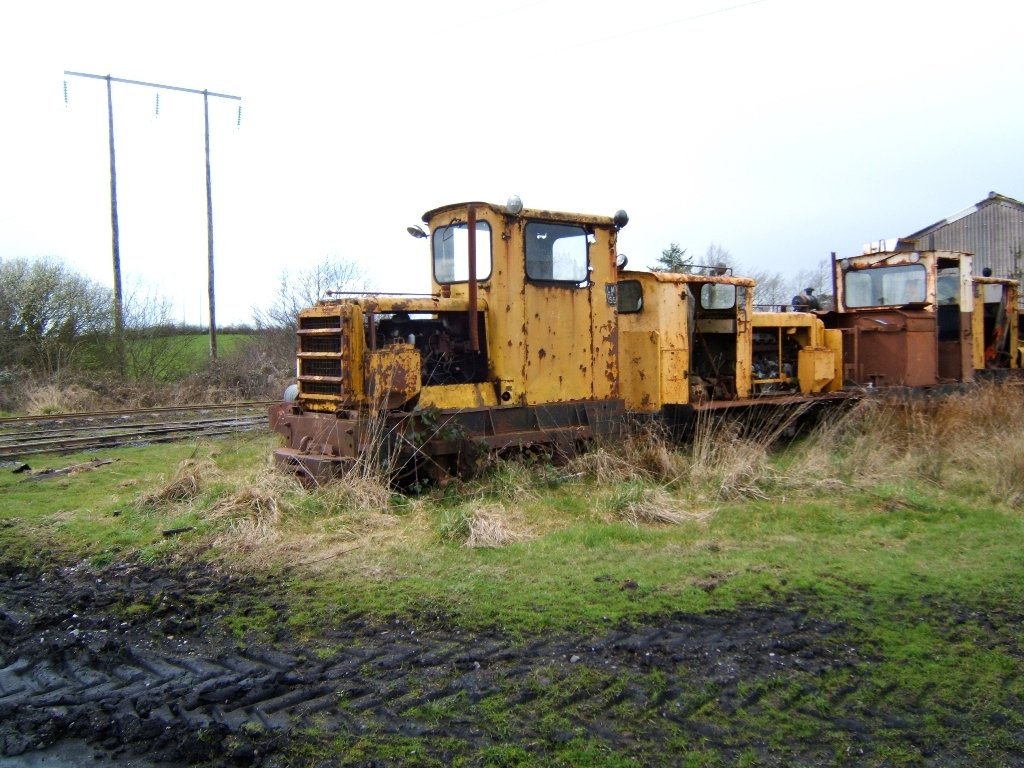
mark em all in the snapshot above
pixel 993 230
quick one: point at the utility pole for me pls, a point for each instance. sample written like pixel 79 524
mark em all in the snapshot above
pixel 118 305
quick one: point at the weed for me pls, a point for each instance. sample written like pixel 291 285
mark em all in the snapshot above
pixel 491 526
pixel 189 478
pixel 640 504
pixel 50 398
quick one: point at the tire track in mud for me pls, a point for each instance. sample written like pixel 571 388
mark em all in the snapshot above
pixel 130 658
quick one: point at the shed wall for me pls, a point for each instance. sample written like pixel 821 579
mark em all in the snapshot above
pixel 993 233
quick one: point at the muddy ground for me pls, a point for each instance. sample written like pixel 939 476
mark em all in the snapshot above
pixel 135 662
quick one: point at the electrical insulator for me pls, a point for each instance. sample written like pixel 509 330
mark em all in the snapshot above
pixel 65 93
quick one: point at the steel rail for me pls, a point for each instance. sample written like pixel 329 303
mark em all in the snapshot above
pixel 247 404
pixel 94 436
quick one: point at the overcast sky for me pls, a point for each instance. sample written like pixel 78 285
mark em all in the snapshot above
pixel 780 129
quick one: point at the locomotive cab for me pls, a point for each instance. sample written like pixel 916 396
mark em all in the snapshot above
pixel 515 345
pixel 918 318
pixel 685 338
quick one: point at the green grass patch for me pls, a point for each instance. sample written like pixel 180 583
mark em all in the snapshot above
pixel 920 571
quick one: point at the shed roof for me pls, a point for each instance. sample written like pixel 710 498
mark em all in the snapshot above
pixel 992 199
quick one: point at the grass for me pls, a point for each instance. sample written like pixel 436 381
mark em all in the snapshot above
pixel 190 353
pixel 903 521
pixel 540 546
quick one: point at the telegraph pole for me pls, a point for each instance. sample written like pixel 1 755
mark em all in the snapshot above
pixel 118 306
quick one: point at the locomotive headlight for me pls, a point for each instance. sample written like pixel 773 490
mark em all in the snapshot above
pixel 514 205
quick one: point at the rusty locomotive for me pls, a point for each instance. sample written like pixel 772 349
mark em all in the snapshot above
pixel 536 335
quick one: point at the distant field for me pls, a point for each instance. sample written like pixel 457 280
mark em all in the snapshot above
pixel 175 357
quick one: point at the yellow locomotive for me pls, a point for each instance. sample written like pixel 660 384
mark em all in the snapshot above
pixel 535 335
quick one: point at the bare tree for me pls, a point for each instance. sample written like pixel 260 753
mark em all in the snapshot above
pixel 820 279
pixel 275 349
pixel 155 348
pixel 772 291
pixel 304 289
pixel 718 256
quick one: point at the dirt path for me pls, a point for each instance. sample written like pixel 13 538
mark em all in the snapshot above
pixel 131 660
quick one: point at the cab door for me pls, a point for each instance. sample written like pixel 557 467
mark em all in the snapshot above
pixel 569 325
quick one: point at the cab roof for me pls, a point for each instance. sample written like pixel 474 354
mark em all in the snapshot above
pixel 526 213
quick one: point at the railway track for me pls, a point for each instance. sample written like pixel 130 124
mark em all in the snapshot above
pixel 22 436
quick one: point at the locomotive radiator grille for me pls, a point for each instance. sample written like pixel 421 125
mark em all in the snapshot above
pixel 322 355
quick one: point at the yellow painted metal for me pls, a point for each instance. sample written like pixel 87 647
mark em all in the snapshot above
pixel 658 348
pixel 654 344
pixel 744 340
pixel 428 305
pixel 458 396
pixel 547 342
pixel 641 371
pixel 815 369
pixel 833 339
pixel 819 359
pixel 319 326
pixel 392 376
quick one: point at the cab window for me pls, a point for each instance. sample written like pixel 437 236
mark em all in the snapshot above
pixel 631 297
pixel 451 252
pixel 556 253
pixel 717 296
pixel 891 286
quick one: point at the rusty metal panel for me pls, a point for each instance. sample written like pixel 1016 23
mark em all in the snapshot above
pixel 545 342
pixel 655 346
pixel 320 434
pixel 890 347
pixel 559 360
pixel 744 341
pixel 674 380
pixel 392 375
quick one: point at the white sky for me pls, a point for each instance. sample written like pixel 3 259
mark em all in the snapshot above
pixel 781 129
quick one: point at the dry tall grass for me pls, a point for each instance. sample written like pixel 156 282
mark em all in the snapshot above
pixel 969 441
pixel 645 453
pixel 47 399
pixel 493 525
pixel 189 478
pixel 639 504
pixel 724 458
pixel 253 512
